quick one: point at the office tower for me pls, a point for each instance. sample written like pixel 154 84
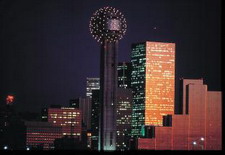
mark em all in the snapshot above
pixel 123 118
pixel 68 118
pixel 108 26
pixel 41 135
pixel 152 83
pixel 199 127
pixel 85 107
pixel 95 118
pixel 92 84
pixel 83 104
pixel 124 74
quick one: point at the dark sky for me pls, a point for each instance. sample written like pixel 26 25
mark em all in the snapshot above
pixel 46 50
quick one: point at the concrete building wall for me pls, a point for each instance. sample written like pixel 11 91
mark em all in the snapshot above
pixel 214 121
pixel 198 129
pixel 180 132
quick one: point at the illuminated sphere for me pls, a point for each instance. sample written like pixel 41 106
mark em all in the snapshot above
pixel 107 24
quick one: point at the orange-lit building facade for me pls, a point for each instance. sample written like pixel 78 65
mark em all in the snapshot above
pixel 70 119
pixel 152 82
pixel 199 127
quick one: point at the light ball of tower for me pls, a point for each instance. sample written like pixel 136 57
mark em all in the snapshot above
pixel 107 24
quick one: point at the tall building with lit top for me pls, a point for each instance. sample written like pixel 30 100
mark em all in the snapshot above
pixel 152 82
pixel 92 84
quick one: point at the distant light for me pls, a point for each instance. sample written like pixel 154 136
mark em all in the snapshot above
pixel 154 28
pixel 5 147
pixel 28 148
pixel 194 143
pixel 9 99
pixel 202 139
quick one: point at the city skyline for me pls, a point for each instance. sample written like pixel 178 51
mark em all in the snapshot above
pixel 47 52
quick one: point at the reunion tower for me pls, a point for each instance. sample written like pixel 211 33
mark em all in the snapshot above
pixel 107 26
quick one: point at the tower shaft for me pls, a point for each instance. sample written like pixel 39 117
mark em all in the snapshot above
pixel 108 89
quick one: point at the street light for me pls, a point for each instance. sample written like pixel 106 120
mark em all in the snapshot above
pixel 201 140
pixel 28 149
pixel 5 147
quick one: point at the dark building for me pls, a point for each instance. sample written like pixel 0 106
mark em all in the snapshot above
pixel 123 118
pixel 95 117
pixel 68 143
pixel 74 103
pixel 124 74
pixel 44 115
pixel 12 128
pixel 92 84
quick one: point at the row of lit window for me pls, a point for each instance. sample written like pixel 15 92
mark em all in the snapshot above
pixel 74 134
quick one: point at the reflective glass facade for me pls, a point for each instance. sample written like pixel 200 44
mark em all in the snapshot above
pixel 152 82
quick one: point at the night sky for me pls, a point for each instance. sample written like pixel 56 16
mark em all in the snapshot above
pixel 46 50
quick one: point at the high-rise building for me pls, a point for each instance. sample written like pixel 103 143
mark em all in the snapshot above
pixel 199 127
pixel 92 84
pixel 123 118
pixel 95 119
pixel 124 74
pixel 152 83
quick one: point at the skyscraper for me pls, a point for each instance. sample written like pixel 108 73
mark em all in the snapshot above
pixel 95 118
pixel 123 118
pixel 92 84
pixel 152 82
pixel 124 74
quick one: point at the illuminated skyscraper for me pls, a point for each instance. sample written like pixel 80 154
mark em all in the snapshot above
pixel 92 84
pixel 152 82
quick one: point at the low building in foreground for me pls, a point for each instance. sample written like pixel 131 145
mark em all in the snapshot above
pixel 197 127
